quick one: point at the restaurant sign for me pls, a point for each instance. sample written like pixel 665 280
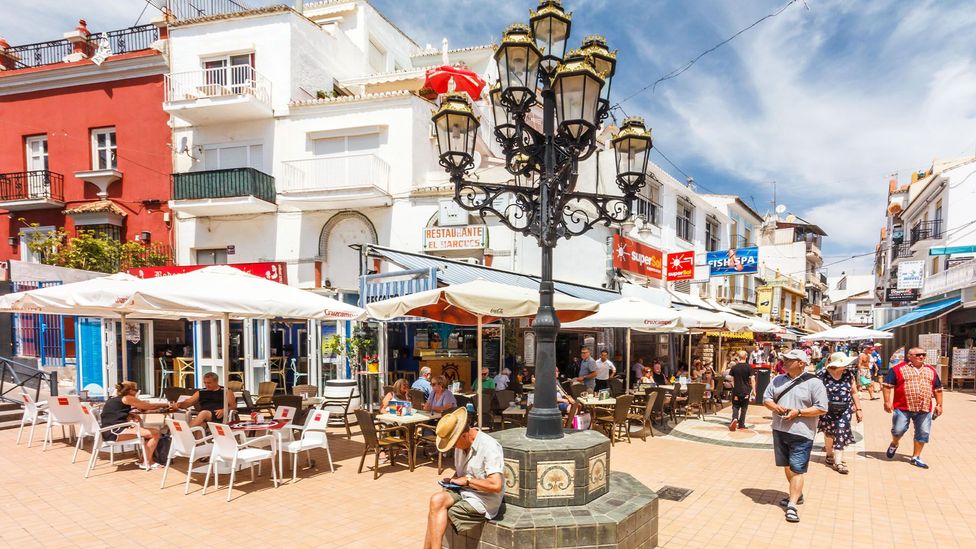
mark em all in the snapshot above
pixel 274 271
pixel 894 294
pixel 632 256
pixel 734 261
pixel 464 237
pixel 681 266
pixel 911 275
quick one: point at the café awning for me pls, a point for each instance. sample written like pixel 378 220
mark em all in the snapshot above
pixel 924 312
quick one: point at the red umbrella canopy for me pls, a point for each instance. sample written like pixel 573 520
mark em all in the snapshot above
pixel 465 80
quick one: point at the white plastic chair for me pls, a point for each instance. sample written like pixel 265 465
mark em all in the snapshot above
pixel 89 429
pixel 62 411
pixel 33 412
pixel 227 449
pixel 313 436
pixel 165 374
pixel 184 444
pixel 102 445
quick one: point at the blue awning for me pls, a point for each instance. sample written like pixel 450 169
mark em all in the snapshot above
pixel 924 312
pixel 456 272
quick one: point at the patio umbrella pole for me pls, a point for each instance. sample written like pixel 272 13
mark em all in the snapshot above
pixel 225 345
pixel 478 373
pixel 627 360
pixel 718 355
pixel 125 351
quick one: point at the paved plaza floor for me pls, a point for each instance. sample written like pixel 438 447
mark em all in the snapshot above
pixel 733 501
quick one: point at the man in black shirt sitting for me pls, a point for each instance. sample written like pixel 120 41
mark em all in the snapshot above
pixel 743 390
pixel 210 400
pixel 657 374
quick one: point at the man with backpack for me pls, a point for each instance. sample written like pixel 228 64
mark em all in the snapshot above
pixel 797 399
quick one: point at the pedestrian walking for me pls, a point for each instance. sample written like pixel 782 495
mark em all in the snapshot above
pixel 758 357
pixel 797 399
pixel 843 401
pixel 743 390
pixel 864 366
pixel 587 369
pixel 908 390
pixel 605 369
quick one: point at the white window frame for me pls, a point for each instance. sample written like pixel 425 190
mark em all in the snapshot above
pixel 235 81
pixel 255 161
pixel 689 220
pixel 23 235
pixel 112 148
pixel 28 142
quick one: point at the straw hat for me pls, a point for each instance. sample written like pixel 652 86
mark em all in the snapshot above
pixel 449 428
pixel 840 360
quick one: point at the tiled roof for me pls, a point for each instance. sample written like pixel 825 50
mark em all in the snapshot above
pixel 99 206
pixel 434 51
pixel 278 8
pixel 351 98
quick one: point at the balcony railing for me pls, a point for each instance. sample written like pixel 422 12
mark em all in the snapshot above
pixel 354 171
pixel 649 210
pixel 901 250
pixel 954 278
pixel 925 230
pixel 234 182
pixel 33 185
pixel 189 9
pixel 126 40
pixel 218 82
pixel 41 53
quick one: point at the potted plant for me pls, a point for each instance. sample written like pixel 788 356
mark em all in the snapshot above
pixel 362 347
pixel 332 345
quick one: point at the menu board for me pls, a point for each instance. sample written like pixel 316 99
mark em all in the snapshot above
pixel 491 340
pixel 964 363
pixel 708 355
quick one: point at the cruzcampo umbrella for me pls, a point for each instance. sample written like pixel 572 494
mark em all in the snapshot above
pixel 477 302
pixel 847 333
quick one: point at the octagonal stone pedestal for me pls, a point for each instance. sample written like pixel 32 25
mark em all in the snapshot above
pixel 560 493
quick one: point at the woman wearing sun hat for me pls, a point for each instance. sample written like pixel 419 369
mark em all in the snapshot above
pixel 839 378
pixel 476 493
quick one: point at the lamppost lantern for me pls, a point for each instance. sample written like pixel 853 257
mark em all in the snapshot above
pixel 457 131
pixel 605 63
pixel 518 61
pixel 550 26
pixel 632 147
pixel 577 86
pixel 504 128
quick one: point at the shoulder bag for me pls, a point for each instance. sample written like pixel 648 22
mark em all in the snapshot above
pixel 803 377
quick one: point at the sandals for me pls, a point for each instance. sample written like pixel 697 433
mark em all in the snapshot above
pixel 792 515
pixel 785 502
pixel 841 468
pixel 829 460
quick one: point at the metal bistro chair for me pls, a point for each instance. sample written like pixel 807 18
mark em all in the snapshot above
pixel 696 395
pixel 295 373
pixel 643 415
pixel 380 438
pixel 616 425
pixel 276 367
pixel 166 373
pixel 616 387
pixel 657 406
pixel 417 399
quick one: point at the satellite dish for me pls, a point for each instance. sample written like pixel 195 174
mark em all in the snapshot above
pixel 780 209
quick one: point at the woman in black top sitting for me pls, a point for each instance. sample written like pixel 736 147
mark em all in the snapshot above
pixel 210 400
pixel 118 410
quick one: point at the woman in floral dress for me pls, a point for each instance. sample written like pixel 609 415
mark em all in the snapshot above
pixel 840 380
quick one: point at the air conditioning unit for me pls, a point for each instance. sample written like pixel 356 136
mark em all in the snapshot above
pixel 470 260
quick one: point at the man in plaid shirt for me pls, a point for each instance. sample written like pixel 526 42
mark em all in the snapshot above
pixel 913 385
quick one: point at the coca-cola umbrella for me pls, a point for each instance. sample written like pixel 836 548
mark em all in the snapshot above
pixel 465 80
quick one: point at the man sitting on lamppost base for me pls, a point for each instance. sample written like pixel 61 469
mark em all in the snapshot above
pixel 474 495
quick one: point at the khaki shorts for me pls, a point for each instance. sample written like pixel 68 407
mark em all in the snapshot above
pixel 462 514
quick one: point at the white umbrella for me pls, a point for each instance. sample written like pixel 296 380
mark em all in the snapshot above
pixel 633 314
pixel 847 333
pixel 232 293
pixel 474 303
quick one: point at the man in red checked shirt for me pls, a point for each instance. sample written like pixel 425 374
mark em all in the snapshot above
pixel 914 384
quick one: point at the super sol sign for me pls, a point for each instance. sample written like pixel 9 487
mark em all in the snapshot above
pixel 632 256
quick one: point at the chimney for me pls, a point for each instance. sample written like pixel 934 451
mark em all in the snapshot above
pixel 8 61
pixel 80 47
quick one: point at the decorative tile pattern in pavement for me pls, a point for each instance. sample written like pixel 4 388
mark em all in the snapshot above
pixel 556 479
pixel 758 435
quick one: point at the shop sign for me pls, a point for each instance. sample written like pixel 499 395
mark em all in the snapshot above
pixel 274 271
pixel 911 275
pixel 681 266
pixel 451 214
pixel 764 300
pixel 894 294
pixel 465 237
pixel 632 256
pixel 949 250
pixel 734 261
pixel 377 287
pixel 133 334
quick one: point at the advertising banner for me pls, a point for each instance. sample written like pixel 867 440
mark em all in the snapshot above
pixel 681 266
pixel 764 299
pixel 274 271
pixel 734 261
pixel 894 294
pixel 910 275
pixel 632 256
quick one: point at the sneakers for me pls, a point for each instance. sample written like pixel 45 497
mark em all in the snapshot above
pixel 734 425
pixel 917 462
pixel 149 467
pixel 891 451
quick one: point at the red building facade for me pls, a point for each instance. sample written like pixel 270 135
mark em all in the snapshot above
pixel 84 142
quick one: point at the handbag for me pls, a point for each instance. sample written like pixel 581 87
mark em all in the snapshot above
pixel 581 422
pixel 837 408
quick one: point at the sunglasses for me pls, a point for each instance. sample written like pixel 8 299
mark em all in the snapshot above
pixel 923 355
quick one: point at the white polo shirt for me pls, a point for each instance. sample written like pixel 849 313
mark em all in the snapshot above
pixel 603 369
pixel 484 458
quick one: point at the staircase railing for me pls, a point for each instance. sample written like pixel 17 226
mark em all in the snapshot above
pixel 16 375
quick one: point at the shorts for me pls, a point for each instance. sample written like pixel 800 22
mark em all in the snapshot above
pixel 921 420
pixel 463 515
pixel 792 450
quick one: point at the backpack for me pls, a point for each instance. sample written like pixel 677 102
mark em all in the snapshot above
pixel 161 453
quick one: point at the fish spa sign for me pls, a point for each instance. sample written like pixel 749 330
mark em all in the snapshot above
pixel 464 237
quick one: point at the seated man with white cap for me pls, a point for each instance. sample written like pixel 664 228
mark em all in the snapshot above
pixel 479 461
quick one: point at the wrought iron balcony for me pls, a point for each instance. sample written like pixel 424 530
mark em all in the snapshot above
pixel 126 40
pixel 926 230
pixel 901 250
pixel 224 192
pixel 54 51
pixel 31 190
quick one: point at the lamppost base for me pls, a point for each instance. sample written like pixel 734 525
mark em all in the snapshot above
pixel 544 424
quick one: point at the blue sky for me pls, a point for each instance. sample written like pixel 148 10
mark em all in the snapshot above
pixel 827 99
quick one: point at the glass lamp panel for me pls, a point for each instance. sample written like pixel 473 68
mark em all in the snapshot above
pixel 499 112
pixel 569 93
pixel 590 99
pixel 443 134
pixel 551 34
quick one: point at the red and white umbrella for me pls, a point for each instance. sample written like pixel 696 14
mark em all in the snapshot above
pixel 465 80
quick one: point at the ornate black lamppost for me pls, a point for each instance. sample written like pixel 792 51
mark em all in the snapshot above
pixel 571 89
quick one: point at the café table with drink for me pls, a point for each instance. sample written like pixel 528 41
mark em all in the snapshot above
pixel 401 413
